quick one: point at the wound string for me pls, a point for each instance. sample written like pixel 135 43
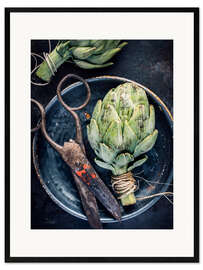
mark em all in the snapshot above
pixel 123 184
pixel 49 62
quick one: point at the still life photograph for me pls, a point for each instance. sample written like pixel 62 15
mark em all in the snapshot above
pixel 102 135
pixel 103 149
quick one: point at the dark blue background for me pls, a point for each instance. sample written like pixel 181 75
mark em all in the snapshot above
pixel 149 62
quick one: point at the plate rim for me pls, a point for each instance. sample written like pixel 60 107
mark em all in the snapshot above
pixel 35 156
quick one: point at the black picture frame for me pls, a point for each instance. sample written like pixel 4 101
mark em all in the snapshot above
pixel 8 257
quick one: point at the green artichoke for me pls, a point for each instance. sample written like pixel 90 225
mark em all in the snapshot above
pixel 122 128
pixel 87 54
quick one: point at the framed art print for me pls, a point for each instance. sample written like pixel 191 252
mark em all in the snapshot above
pixel 102 134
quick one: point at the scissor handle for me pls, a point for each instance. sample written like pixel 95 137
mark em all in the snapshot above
pixel 36 128
pixel 43 126
pixel 59 92
pixel 78 138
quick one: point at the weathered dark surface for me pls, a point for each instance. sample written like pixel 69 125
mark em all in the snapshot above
pixel 147 62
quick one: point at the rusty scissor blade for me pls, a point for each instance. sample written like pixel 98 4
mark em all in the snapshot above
pixel 89 204
pixel 88 199
pixel 74 156
pixel 99 189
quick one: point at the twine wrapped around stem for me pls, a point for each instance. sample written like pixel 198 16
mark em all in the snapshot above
pixel 45 58
pixel 123 184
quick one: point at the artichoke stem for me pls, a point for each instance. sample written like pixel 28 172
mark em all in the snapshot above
pixel 44 71
pixel 129 199
pixel 130 183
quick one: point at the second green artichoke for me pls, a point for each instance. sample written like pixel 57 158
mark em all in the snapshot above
pixel 86 54
pixel 122 128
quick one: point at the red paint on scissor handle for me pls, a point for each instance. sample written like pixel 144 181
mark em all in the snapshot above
pixel 86 166
pixel 93 175
pixel 85 175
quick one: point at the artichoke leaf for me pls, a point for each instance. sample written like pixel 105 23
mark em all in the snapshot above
pixel 107 115
pixel 136 127
pixel 82 52
pixel 141 96
pixel 99 49
pixel 111 98
pixel 125 104
pixel 97 110
pixel 145 110
pixel 93 134
pixel 97 42
pixel 106 153
pixel 138 163
pixel 123 93
pixel 104 165
pixel 146 145
pixel 110 44
pixel 129 137
pixel 104 57
pixel 127 87
pixel 62 48
pixel 123 44
pixel 115 43
pixel 149 124
pixel 81 42
pixel 86 65
pixel 139 112
pixel 123 159
pixel 113 136
pixel 139 120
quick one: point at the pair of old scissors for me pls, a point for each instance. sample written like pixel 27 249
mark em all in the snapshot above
pixel 73 153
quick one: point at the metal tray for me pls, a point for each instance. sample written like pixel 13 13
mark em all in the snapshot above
pixel 55 176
